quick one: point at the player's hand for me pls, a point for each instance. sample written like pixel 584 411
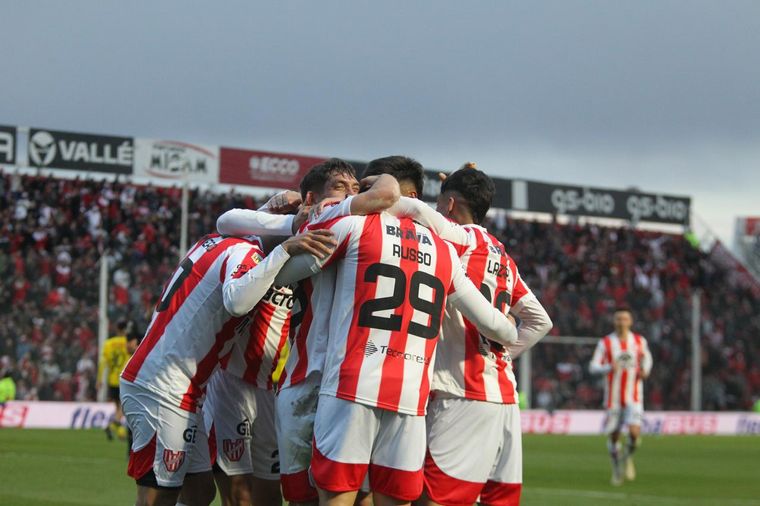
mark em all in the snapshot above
pixel 319 243
pixel 466 165
pixel 301 217
pixel 617 366
pixel 366 183
pixel 512 319
pixel 286 202
pixel 318 209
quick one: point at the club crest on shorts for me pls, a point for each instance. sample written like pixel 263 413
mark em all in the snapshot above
pixel 233 448
pixel 173 460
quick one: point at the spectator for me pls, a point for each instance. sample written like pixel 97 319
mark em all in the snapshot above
pixel 55 230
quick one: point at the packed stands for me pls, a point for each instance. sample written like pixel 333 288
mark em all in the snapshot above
pixel 54 230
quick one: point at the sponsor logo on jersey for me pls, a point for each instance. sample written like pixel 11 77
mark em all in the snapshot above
pixel 234 448
pixel 280 296
pixel 390 352
pixel 240 270
pixel 408 234
pixel 173 460
pixel 370 348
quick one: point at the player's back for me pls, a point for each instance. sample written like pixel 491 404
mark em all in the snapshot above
pixel 391 287
pixel 469 365
pixel 190 328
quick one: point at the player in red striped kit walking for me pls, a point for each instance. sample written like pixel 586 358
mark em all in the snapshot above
pixel 624 358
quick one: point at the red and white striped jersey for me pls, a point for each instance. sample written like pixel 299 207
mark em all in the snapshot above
pixel 623 387
pixel 392 283
pixel 468 364
pixel 193 324
pixel 263 336
pixel 311 311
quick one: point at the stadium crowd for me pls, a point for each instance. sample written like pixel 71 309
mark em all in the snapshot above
pixel 54 231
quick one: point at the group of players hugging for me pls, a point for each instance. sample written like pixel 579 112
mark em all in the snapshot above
pixel 345 344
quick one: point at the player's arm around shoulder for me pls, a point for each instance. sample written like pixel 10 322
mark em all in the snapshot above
pixel 310 262
pixel 248 275
pixel 465 297
pixel 443 227
pixel 273 218
pixel 382 192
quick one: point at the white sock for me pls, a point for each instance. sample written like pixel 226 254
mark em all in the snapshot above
pixel 614 449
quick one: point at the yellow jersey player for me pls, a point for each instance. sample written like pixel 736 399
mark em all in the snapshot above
pixel 113 358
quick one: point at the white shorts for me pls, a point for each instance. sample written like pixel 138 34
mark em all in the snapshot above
pixel 352 440
pixel 295 409
pixel 618 418
pixel 474 452
pixel 167 442
pixel 240 421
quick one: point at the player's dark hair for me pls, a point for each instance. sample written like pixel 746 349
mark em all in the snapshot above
pixel 121 325
pixel 315 179
pixel 624 309
pixel 402 168
pixel 476 188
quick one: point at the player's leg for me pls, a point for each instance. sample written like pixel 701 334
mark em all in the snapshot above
pixel 265 455
pixel 457 468
pixel 159 456
pixel 504 485
pixel 295 410
pixel 397 458
pixel 613 426
pixel 115 421
pixel 197 490
pixel 344 435
pixel 230 409
pixel 198 487
pixel 634 417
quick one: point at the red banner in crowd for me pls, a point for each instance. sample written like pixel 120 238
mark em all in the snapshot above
pixel 263 168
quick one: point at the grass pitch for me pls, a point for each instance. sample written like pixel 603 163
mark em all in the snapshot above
pixel 67 467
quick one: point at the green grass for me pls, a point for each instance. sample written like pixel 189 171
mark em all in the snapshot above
pixel 66 467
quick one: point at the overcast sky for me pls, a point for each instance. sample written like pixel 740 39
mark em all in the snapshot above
pixel 661 95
